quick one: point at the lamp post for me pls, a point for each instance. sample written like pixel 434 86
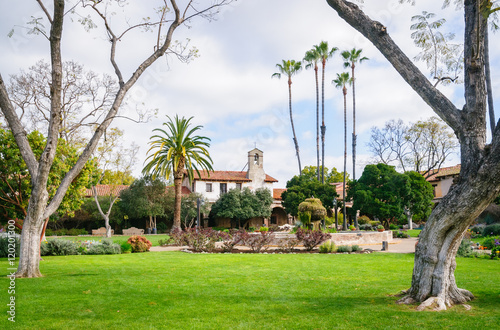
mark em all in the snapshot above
pixel 336 216
pixel 199 203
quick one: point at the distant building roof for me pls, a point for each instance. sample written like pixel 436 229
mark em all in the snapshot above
pixel 229 176
pixel 436 175
pixel 106 190
pixel 339 188
pixel 277 193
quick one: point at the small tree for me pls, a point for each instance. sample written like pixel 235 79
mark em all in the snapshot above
pixel 242 205
pixel 311 209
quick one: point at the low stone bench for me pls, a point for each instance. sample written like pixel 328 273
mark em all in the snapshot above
pixel 101 232
pixel 133 231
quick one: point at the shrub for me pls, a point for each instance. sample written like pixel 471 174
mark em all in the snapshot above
pixel 259 242
pixel 177 237
pixel 491 230
pixel 363 220
pixel 393 226
pixel 356 248
pixel 311 238
pixel 126 247
pixel 351 227
pixel 327 247
pixel 167 241
pixel 161 227
pixel 374 223
pixel 344 248
pixel 400 234
pixel 106 246
pixel 231 239
pixel 251 229
pixel 201 240
pixel 366 227
pixel 139 243
pixel 9 245
pixel 287 244
pixel 465 249
pixel 495 251
pixel 489 243
pixel 476 232
pixel 59 247
pixel 263 229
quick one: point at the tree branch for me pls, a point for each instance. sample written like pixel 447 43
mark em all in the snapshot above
pixel 377 34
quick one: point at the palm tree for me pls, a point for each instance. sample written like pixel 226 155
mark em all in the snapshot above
pixel 312 57
pixel 325 53
pixel 290 68
pixel 342 80
pixel 176 151
pixel 350 59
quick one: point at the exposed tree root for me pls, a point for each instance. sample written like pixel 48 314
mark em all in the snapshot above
pixel 433 303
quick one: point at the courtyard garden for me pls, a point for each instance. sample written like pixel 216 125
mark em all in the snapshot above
pixel 177 290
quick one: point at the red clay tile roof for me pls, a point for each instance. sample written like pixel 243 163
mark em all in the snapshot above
pixel 444 171
pixel 106 190
pixel 184 191
pixel 277 193
pixel 229 176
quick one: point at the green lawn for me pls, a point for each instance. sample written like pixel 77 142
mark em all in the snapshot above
pixel 116 239
pixel 175 290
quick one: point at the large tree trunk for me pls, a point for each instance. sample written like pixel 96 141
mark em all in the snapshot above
pixel 323 127
pixel 317 120
pixel 433 282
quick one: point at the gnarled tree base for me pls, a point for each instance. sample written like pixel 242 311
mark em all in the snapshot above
pixel 441 302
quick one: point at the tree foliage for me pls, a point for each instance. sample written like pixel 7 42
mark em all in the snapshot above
pixel 331 176
pixel 144 198
pixel 383 193
pixel 243 205
pixel 301 187
pixel 15 179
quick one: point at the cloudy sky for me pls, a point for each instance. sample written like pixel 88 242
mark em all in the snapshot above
pixel 228 88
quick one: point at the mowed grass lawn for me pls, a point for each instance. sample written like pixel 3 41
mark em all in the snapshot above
pixel 154 239
pixel 176 290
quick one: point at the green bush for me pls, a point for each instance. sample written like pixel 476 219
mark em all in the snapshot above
pixel 327 247
pixel 491 230
pixel 363 220
pixel 393 227
pixel 13 248
pixel 65 232
pixel 263 229
pixel 465 249
pixel 356 248
pixel 161 227
pixel 167 241
pixel 366 227
pixel 59 247
pixel 400 234
pixel 106 246
pixel 489 243
pixel 351 227
pixel 126 247
pixel 374 223
pixel 344 248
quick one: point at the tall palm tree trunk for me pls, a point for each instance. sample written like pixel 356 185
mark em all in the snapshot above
pixel 323 127
pixel 354 137
pixel 317 120
pixel 291 122
pixel 178 176
pixel 487 73
pixel 344 90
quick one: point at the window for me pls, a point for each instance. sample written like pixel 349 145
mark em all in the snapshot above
pixel 223 188
pixel 193 186
pixel 434 186
pixel 238 185
pixel 209 187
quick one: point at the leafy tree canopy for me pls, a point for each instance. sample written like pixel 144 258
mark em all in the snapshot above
pixel 383 193
pixel 242 205
pixel 309 173
pixel 15 180
pixel 301 187
pixel 145 197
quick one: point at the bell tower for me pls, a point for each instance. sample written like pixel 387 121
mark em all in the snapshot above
pixel 256 168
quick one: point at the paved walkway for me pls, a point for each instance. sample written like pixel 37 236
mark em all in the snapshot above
pixel 399 245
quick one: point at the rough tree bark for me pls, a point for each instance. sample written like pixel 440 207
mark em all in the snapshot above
pixel 178 176
pixel 433 282
pixel 40 207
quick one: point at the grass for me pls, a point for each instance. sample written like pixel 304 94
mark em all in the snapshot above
pixel 154 239
pixel 175 290
pixel 414 232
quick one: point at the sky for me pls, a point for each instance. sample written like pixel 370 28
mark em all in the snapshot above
pixel 228 89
